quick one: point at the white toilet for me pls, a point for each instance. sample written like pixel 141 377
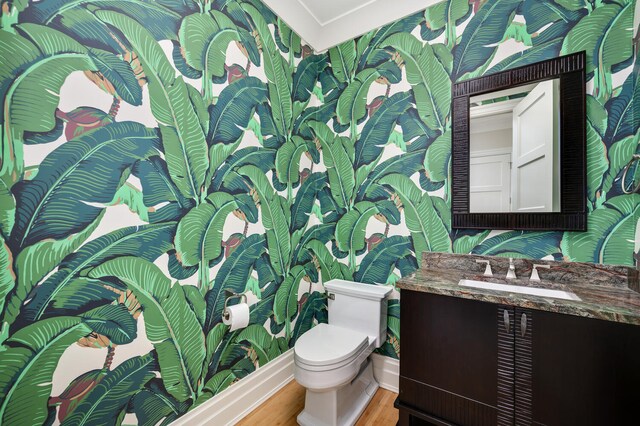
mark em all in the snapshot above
pixel 331 360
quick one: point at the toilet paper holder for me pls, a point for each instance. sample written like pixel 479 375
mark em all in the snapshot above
pixel 232 295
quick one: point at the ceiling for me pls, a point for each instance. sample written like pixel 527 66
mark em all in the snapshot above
pixel 326 23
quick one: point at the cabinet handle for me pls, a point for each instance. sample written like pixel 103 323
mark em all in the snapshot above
pixel 505 315
pixel 523 324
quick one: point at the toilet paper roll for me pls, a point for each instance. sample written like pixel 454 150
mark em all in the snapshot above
pixel 236 316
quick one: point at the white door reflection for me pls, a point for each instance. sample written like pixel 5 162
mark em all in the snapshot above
pixel 514 150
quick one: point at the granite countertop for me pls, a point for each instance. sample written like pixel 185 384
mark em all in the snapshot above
pixel 617 303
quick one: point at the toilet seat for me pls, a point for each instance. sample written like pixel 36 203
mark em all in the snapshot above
pixel 327 347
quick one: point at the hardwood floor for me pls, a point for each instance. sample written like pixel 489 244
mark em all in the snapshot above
pixel 283 408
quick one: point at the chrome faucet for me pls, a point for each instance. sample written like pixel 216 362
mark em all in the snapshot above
pixel 511 273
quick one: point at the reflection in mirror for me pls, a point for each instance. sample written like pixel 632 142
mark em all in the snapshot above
pixel 514 151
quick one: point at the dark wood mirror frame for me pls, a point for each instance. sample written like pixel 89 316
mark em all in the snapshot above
pixel 570 69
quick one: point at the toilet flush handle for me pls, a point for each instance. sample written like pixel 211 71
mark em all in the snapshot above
pixel 331 296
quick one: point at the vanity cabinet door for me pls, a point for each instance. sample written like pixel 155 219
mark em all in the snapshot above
pixel 585 371
pixel 449 358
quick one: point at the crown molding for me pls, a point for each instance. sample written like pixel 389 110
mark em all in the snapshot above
pixel 344 24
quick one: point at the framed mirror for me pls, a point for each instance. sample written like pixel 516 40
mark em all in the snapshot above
pixel 519 148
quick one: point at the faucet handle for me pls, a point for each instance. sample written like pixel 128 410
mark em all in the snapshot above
pixel 534 272
pixel 487 271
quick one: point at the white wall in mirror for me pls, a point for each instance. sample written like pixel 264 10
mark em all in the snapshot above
pixel 514 150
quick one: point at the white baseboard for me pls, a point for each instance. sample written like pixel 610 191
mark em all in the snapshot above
pixel 386 371
pixel 230 406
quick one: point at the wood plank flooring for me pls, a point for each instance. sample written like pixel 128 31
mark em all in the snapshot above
pixel 283 408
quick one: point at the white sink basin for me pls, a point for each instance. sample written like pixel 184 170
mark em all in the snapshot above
pixel 534 291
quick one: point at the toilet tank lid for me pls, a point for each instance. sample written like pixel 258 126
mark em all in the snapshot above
pixel 361 290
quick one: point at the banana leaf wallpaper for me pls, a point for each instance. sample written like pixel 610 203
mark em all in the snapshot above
pixel 156 154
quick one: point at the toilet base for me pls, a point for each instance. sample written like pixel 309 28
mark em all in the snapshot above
pixel 342 406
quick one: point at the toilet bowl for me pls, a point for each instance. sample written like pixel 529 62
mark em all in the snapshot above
pixel 332 360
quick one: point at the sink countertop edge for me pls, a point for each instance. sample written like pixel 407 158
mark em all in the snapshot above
pixel 621 305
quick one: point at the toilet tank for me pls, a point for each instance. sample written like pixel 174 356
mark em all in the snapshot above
pixel 359 307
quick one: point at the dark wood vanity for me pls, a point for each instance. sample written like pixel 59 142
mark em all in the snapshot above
pixel 469 358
